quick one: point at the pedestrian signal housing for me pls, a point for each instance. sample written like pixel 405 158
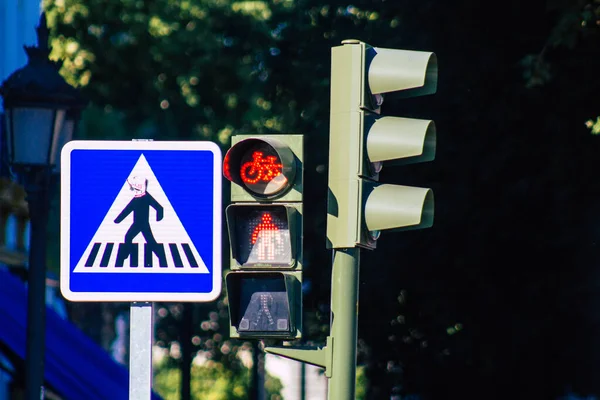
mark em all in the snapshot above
pixel 263 236
pixel 264 222
pixel 264 304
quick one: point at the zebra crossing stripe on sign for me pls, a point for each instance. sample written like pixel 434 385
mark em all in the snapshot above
pixel 141 232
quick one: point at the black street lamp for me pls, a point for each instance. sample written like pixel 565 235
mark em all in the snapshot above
pixel 37 101
pixel 69 127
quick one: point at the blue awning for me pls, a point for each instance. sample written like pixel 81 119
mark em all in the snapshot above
pixel 75 366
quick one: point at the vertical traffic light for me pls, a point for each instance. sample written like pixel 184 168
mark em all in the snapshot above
pixel 361 140
pixel 358 205
pixel 264 220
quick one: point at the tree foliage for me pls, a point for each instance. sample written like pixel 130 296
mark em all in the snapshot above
pixel 210 381
pixel 498 299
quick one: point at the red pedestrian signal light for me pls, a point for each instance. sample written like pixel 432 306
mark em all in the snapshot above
pixel 269 239
pixel 263 235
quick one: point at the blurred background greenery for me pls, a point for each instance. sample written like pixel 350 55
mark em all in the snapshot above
pixel 499 299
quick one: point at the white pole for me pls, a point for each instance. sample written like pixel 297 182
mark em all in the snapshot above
pixel 140 351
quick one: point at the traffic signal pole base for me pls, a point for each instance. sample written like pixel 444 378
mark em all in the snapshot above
pixel 318 356
pixel 344 323
pixel 339 362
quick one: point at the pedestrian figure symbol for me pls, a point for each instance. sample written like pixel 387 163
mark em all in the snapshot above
pixel 266 301
pixel 267 239
pixel 267 309
pixel 140 206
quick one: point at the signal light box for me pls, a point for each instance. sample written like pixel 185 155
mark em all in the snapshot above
pixel 263 236
pixel 265 232
pixel 266 168
pixel 264 304
pixel 361 139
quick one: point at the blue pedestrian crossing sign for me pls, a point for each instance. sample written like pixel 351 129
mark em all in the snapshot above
pixel 140 221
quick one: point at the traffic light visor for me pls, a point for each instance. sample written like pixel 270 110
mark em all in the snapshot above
pixel 399 207
pixel 264 167
pixel 414 73
pixel 401 140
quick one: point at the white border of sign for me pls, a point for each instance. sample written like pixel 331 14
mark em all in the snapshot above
pixel 65 219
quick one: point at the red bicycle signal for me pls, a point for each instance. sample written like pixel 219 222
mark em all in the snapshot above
pixel 263 167
pixel 260 169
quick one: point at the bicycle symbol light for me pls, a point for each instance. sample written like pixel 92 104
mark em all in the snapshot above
pixel 264 170
pixel 260 169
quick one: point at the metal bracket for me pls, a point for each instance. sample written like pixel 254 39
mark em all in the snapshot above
pixel 318 356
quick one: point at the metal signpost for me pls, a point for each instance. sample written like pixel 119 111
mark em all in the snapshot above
pixel 141 222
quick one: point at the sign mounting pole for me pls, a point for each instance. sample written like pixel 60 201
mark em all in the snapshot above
pixel 140 351
pixel 140 345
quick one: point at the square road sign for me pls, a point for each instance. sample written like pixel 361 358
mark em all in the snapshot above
pixel 140 221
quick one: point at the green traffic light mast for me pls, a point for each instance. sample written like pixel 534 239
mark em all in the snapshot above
pixel 358 206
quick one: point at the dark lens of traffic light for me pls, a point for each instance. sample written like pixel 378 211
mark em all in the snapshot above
pixel 264 305
pixel 261 170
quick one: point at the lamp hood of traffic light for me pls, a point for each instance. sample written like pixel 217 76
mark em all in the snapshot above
pixel 399 207
pixel 264 167
pixel 401 140
pixel 411 73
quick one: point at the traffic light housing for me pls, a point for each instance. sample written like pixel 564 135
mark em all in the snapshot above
pixel 265 154
pixel 361 140
pixel 248 221
pixel 264 220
